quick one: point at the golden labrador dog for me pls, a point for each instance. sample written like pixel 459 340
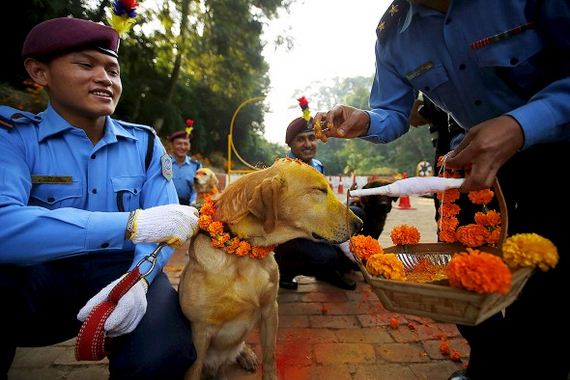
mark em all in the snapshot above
pixel 225 296
pixel 205 185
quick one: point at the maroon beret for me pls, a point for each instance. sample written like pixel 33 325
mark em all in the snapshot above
pixel 299 125
pixel 178 135
pixel 65 34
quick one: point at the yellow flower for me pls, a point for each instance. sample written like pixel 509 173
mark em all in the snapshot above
pixel 386 265
pixel 529 250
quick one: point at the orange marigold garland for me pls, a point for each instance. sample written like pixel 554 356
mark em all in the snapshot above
pixel 222 239
pixel 472 235
pixel 478 271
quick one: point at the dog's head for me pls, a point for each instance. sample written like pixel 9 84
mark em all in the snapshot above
pixel 285 201
pixel 376 209
pixel 205 180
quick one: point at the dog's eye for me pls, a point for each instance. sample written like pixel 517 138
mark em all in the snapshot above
pixel 320 190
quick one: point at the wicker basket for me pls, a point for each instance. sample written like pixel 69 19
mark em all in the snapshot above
pixel 438 300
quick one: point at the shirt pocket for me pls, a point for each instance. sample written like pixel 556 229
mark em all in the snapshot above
pixel 432 82
pixel 517 61
pixel 56 195
pixel 127 191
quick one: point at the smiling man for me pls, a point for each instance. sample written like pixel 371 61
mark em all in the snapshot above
pixel 303 256
pixel 81 197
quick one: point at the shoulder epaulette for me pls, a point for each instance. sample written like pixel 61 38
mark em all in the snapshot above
pixel 391 19
pixel 10 117
pixel 135 125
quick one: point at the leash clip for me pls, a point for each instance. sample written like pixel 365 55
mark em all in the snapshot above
pixel 151 259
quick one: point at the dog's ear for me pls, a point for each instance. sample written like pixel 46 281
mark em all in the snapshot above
pixel 215 181
pixel 265 202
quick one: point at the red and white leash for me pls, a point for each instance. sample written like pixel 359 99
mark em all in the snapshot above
pixel 91 340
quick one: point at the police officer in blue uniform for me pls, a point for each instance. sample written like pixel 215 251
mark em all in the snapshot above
pixel 502 70
pixel 303 256
pixel 83 198
pixel 183 167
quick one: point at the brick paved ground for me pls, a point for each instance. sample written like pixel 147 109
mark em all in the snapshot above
pixel 324 332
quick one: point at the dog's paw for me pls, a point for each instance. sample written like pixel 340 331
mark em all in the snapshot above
pixel 247 359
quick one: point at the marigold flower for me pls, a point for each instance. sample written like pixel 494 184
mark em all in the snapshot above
pixel 208 207
pixel 481 197
pixel 448 196
pixel 444 347
pixel 204 221
pixel 364 246
pixel 449 209
pixel 405 235
pixel 478 271
pixel 472 235
pixel 232 245
pixel 455 356
pixel 447 236
pixel 260 252
pixel 494 236
pixel 215 228
pixel 243 248
pixel 394 323
pixel 386 265
pixel 490 218
pixel 448 224
pixel 529 250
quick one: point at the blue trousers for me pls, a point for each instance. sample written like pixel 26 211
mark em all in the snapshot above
pixel 42 302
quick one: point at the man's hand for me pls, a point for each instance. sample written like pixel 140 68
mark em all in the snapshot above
pixel 416 118
pixel 127 314
pixel 172 224
pixel 343 122
pixel 486 148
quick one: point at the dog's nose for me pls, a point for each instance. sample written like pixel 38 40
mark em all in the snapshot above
pixel 356 225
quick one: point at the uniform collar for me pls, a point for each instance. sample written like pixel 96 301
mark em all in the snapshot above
pixel 53 124
pixel 186 160
pixel 416 10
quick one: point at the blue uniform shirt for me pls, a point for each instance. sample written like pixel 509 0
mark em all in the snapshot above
pixel 183 178
pixel 314 163
pixel 452 60
pixel 59 193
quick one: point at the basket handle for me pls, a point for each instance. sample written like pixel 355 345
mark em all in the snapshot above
pixel 504 213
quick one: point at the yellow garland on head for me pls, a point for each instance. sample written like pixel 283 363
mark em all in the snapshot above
pixel 221 239
pixel 529 250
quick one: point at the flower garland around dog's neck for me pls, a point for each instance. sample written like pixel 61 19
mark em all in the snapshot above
pixel 221 239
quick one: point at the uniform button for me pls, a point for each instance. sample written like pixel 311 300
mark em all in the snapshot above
pixel 462 66
pixel 448 21
pixel 105 245
pixel 135 191
pixel 514 61
pixel 51 199
pixel 94 191
pixel 427 88
pixel 478 102
pixel 93 156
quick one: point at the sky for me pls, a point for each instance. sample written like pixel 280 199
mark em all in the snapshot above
pixel 332 38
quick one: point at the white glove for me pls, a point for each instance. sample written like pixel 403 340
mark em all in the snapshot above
pixel 127 314
pixel 172 224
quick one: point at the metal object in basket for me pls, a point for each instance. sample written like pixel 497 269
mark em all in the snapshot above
pixel 439 301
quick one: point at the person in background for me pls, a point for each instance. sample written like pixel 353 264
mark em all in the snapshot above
pixel 184 167
pixel 503 73
pixel 325 262
pixel 83 199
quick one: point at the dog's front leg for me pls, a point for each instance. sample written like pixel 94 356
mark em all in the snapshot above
pixel 268 332
pixel 201 341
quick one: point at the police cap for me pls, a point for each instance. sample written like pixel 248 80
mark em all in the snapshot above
pixel 65 34
pixel 178 135
pixel 299 125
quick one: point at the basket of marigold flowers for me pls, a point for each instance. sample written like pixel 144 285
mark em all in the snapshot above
pixel 473 272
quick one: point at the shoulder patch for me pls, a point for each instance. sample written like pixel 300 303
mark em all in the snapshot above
pixel 391 19
pixel 166 165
